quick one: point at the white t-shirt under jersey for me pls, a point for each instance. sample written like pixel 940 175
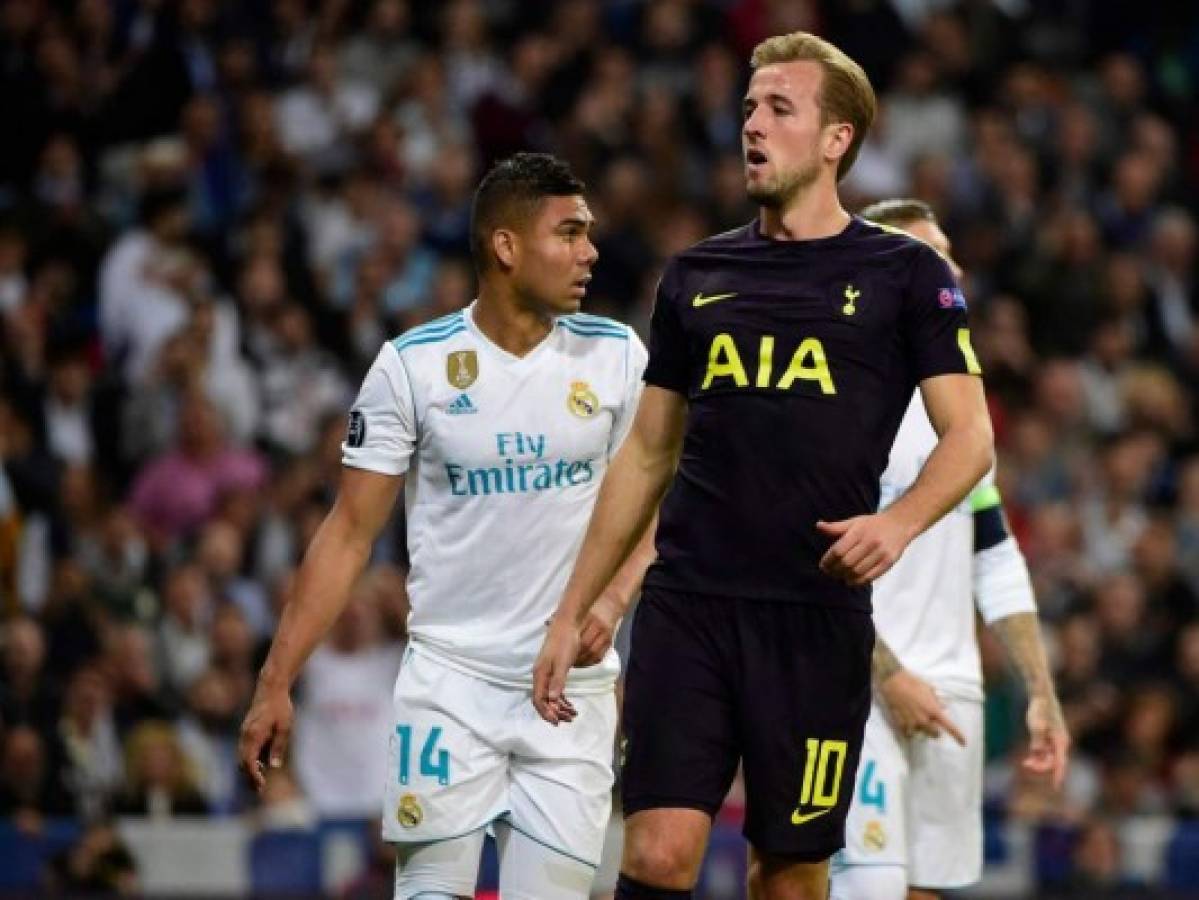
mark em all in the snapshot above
pixel 923 606
pixel 504 456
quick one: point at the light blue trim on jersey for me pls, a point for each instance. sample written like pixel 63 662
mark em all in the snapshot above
pixel 431 339
pixel 438 328
pixel 587 319
pixel 588 330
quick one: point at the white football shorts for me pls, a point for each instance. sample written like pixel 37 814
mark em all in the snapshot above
pixel 465 753
pixel 917 802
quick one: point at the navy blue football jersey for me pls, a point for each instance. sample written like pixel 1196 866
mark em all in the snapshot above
pixel 797 359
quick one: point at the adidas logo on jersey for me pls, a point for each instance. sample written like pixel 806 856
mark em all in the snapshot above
pixel 461 407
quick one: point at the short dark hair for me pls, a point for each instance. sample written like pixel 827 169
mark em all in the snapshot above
pixel 899 211
pixel 511 192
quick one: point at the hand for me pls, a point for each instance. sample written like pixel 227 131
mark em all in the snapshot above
pixel 269 719
pixel 559 650
pixel 1048 740
pixel 914 706
pixel 864 547
pixel 598 630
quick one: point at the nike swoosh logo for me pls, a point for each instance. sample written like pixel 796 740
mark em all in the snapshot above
pixel 798 818
pixel 701 300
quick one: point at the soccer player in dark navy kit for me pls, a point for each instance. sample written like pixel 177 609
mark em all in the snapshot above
pixel 782 357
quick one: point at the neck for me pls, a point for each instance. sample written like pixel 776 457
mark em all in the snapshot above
pixel 815 212
pixel 508 323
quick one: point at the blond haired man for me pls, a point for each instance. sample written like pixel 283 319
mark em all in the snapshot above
pixel 782 357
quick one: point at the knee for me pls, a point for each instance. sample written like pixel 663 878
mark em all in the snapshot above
pixel 660 861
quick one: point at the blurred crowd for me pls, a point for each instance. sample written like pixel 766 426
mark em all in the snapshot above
pixel 213 213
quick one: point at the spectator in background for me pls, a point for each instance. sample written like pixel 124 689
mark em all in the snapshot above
pixel 183 649
pixel 220 550
pixel 208 736
pixel 316 117
pixel 99 863
pixel 179 491
pixel 26 695
pixel 88 751
pixel 344 712
pixel 134 680
pixel 29 783
pixel 146 281
pixel 159 783
pixel 383 52
pixel 301 385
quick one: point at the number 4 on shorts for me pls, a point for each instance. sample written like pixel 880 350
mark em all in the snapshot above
pixel 439 769
pixel 872 792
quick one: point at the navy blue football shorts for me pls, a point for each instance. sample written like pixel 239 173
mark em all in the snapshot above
pixel 783 688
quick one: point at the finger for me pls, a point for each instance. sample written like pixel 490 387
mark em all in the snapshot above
pixel 877 571
pixel 833 529
pixel 541 682
pixel 853 558
pixel 867 565
pixel 832 563
pixel 942 719
pixel 279 745
pixel 566 710
pixel 251 747
pixel 1061 756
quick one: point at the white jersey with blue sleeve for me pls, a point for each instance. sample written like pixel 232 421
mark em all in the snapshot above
pixel 503 457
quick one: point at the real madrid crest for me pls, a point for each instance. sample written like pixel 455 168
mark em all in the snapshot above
pixel 409 814
pixel 462 368
pixel 582 400
pixel 873 836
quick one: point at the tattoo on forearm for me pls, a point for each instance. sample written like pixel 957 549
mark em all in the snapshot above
pixel 883 663
pixel 1020 635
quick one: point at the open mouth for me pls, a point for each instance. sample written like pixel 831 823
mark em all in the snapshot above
pixel 755 157
pixel 579 286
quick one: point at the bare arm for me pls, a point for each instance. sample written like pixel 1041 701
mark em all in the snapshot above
pixel 911 702
pixel 867 546
pixel 957 409
pixel 336 557
pixel 1049 738
pixel 599 625
pixel 883 662
pixel 629 496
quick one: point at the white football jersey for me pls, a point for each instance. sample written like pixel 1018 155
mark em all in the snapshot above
pixel 923 606
pixel 504 456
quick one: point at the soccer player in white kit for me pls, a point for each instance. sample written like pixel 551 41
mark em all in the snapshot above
pixel 915 822
pixel 498 422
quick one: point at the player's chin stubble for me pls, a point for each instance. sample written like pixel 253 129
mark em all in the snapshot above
pixel 778 192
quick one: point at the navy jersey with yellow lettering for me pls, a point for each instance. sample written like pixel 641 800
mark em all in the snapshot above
pixel 797 359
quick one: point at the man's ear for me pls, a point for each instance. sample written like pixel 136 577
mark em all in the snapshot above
pixel 837 140
pixel 506 247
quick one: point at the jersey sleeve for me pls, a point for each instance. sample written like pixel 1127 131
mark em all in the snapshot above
pixel 381 433
pixel 667 367
pixel 635 357
pixel 936 332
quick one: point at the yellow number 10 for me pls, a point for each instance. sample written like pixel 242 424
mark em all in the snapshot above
pixel 817 789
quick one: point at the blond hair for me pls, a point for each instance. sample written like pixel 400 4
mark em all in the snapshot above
pixel 845 92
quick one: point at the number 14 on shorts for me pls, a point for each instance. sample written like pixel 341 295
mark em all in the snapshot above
pixel 434 763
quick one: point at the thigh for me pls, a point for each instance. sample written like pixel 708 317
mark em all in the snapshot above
pixel 876 827
pixel 803 709
pixel 529 870
pixel 440 867
pixel 560 778
pixel 679 746
pixel 444 778
pixel 945 803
